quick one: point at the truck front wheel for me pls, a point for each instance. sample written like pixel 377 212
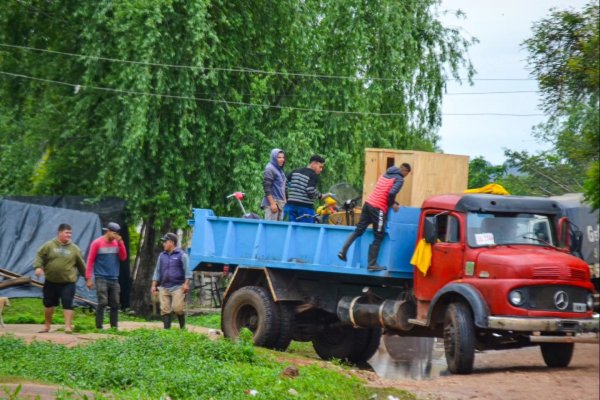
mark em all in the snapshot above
pixel 459 339
pixel 251 307
pixel 557 355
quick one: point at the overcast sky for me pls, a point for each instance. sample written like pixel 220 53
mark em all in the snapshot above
pixel 501 27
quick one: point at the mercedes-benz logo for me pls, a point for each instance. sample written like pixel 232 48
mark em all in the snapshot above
pixel 561 300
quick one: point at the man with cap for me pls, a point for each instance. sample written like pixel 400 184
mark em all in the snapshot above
pixel 172 277
pixel 104 262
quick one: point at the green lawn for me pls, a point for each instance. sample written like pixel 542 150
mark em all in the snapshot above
pixel 159 364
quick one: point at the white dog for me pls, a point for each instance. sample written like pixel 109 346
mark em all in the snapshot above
pixel 4 302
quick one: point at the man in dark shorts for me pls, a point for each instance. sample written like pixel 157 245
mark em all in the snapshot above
pixel 60 260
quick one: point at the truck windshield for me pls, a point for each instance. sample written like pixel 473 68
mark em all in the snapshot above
pixel 488 229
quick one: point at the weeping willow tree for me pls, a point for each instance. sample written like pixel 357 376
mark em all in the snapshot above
pixel 172 104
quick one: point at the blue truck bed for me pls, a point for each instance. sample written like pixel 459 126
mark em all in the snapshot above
pixel 219 241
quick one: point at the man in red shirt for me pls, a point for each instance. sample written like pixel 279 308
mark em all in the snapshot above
pixel 104 261
pixel 374 212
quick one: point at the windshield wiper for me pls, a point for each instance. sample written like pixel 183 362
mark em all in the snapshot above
pixel 537 239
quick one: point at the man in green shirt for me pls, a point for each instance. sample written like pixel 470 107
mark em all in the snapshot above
pixel 60 260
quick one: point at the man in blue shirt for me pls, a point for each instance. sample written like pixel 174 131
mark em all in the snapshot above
pixel 172 277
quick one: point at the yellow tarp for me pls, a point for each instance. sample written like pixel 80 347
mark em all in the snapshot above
pixel 492 188
pixel 421 258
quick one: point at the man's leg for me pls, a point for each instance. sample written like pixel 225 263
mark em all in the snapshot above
pixel 114 291
pixel 362 225
pixel 179 306
pixel 102 295
pixel 379 233
pixel 66 298
pixel 165 307
pixel 48 312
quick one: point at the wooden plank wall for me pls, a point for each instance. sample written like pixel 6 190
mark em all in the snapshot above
pixel 432 173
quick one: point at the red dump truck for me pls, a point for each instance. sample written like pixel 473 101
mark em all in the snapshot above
pixel 499 276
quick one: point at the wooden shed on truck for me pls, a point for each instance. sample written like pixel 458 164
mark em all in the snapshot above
pixel 432 173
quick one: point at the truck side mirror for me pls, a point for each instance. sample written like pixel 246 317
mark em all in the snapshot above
pixel 576 243
pixel 430 229
pixel 563 233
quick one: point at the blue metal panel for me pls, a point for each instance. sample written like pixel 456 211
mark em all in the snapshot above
pixel 301 246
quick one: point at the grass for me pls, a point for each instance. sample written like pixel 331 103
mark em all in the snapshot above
pixel 161 364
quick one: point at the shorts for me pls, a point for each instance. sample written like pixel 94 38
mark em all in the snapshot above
pixel 53 292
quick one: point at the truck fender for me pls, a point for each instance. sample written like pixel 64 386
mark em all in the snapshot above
pixel 279 283
pixel 457 292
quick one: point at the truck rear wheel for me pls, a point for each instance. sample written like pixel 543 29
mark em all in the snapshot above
pixel 355 345
pixel 557 355
pixel 286 326
pixel 459 339
pixel 251 307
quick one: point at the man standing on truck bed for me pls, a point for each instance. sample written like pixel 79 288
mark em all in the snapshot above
pixel 274 186
pixel 374 212
pixel 302 189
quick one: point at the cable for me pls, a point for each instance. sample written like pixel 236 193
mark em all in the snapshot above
pixel 77 87
pixel 236 69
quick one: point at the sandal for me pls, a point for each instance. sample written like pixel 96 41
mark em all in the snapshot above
pixel 44 331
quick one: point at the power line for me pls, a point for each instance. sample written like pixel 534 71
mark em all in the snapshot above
pixel 77 87
pixel 236 69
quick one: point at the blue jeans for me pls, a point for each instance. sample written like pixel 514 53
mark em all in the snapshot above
pixel 108 291
pixel 293 212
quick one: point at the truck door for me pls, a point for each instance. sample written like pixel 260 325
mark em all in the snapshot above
pixel 447 256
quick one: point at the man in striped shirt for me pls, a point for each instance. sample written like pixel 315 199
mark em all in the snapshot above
pixel 302 190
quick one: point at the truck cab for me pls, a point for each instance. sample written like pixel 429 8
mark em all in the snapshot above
pixel 504 260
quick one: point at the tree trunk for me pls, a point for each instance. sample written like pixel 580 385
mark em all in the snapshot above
pixel 144 268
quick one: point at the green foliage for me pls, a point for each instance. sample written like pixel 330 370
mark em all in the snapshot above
pixel 482 172
pixel 207 320
pixel 564 55
pixel 155 364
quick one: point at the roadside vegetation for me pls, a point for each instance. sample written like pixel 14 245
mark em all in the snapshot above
pixel 159 364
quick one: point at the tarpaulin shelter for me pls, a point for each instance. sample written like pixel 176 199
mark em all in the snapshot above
pixel 24 228
pixel 107 209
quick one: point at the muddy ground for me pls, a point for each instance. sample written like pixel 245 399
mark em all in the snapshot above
pixel 498 375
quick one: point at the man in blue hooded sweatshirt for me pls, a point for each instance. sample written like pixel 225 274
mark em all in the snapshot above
pixel 274 186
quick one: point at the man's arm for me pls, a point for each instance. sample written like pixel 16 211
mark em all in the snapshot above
pixel 79 262
pixel 155 276
pixel 91 260
pixel 122 249
pixel 40 261
pixel 185 262
pixel 268 179
pixel 399 181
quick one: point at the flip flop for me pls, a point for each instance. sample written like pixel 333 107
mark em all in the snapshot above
pixel 44 331
pixel 69 332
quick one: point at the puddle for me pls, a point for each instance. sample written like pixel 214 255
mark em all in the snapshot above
pixel 413 358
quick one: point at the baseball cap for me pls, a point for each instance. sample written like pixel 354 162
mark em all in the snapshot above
pixel 113 227
pixel 169 236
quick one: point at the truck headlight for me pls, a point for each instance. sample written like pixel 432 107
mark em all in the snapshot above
pixel 590 301
pixel 516 298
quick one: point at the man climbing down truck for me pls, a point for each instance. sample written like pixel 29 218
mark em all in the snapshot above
pixel 374 212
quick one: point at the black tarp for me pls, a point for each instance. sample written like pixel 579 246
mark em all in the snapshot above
pixel 25 227
pixel 108 209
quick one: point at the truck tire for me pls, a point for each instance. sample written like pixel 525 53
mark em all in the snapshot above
pixel 355 345
pixel 459 339
pixel 286 326
pixel 251 307
pixel 366 344
pixel 557 355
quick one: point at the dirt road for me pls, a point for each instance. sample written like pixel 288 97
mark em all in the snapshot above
pixel 498 375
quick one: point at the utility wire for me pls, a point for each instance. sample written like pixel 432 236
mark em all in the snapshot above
pixel 77 87
pixel 236 69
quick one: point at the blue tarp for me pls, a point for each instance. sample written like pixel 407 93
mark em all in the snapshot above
pixel 25 227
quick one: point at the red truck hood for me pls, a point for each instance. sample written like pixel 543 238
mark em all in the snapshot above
pixel 531 262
